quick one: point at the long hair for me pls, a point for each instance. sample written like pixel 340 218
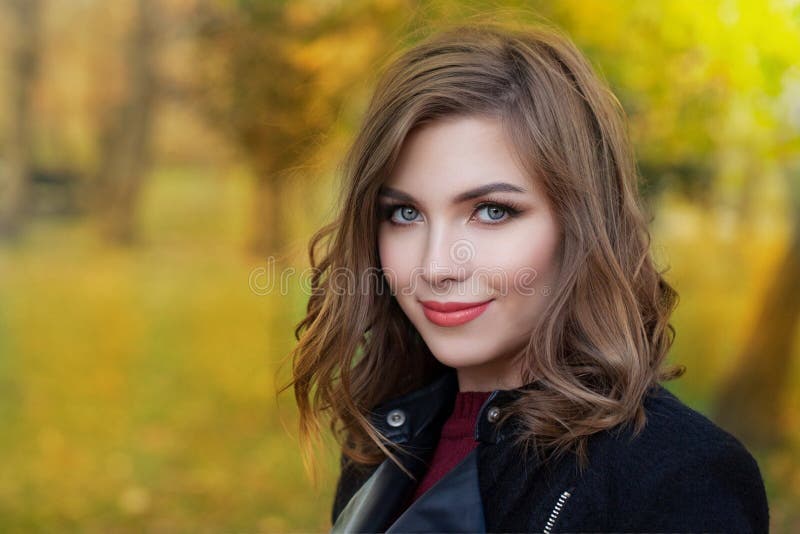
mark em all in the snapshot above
pixel 605 331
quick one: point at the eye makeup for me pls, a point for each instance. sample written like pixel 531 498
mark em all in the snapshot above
pixel 512 209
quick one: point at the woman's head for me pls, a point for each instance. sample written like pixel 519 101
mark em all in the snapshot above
pixel 462 223
pixel 469 107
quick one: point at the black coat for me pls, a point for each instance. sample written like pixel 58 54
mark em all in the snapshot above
pixel 682 473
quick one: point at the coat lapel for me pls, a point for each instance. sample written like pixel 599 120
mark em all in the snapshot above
pixel 375 504
pixel 414 422
pixel 453 504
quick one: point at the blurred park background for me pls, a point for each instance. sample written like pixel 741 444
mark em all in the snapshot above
pixel 156 155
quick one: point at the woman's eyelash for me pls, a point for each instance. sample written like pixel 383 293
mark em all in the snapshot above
pixel 511 208
pixel 387 210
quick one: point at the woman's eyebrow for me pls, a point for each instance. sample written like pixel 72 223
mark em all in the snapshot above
pixel 461 197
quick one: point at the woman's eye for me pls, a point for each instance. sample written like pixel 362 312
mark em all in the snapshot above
pixel 494 212
pixel 406 214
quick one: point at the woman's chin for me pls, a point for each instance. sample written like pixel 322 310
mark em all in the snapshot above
pixel 462 361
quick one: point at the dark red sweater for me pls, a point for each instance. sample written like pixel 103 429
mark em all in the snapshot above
pixel 456 441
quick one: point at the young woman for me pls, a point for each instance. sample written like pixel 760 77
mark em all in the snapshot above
pixel 487 329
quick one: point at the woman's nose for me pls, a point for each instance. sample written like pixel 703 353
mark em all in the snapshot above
pixel 447 257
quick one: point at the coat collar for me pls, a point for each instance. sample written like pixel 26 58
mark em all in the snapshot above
pixel 414 420
pixel 405 418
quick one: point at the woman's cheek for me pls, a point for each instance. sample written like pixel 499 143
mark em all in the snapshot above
pixel 391 265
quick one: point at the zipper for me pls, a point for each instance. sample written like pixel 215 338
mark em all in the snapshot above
pixel 551 521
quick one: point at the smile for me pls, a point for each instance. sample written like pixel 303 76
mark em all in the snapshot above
pixel 453 313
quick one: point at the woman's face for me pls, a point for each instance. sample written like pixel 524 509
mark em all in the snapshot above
pixel 463 224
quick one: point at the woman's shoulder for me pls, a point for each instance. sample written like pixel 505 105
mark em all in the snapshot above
pixel 682 461
pixel 674 431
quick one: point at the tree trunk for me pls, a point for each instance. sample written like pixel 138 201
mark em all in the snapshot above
pixel 269 228
pixel 15 177
pixel 749 404
pixel 126 146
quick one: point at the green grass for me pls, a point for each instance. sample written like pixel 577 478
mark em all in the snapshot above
pixel 138 385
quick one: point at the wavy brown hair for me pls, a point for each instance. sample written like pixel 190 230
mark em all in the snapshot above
pixel 605 331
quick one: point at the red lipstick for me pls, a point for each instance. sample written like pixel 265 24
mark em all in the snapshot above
pixel 452 313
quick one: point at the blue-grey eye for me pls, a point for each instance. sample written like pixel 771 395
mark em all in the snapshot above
pixel 408 214
pixel 494 211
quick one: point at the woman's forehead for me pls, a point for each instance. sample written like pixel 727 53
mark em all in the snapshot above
pixel 456 156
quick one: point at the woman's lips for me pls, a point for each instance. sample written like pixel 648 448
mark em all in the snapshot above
pixel 452 313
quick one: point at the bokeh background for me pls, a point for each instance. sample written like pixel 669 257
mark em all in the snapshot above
pixel 163 164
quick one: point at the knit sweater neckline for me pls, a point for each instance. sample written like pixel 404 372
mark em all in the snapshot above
pixel 461 423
